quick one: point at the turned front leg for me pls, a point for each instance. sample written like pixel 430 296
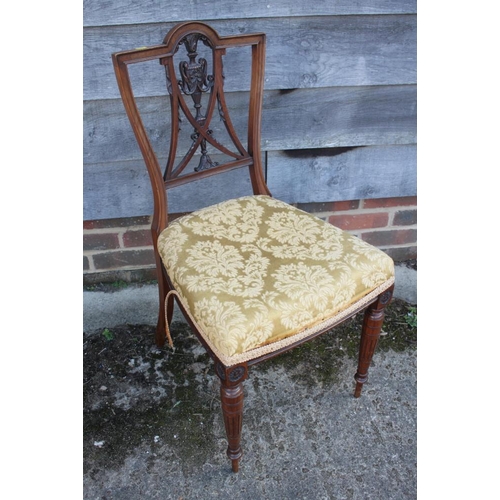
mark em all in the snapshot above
pixel 372 326
pixel 231 392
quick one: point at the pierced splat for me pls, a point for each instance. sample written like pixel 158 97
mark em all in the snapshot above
pixel 194 81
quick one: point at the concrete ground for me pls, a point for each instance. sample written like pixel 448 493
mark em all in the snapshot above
pixel 304 435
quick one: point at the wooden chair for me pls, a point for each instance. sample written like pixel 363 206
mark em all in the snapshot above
pixel 254 276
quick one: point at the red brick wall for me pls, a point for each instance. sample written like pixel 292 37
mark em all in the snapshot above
pixel 387 223
pixel 121 249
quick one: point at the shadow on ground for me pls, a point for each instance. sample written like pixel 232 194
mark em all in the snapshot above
pixel 153 426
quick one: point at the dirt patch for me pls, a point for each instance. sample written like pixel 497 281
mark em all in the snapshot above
pixel 136 394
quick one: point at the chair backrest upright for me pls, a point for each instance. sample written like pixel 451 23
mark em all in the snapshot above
pixel 192 78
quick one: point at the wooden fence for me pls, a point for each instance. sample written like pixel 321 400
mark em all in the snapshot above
pixel 339 117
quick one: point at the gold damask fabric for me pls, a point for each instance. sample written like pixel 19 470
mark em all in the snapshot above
pixel 254 270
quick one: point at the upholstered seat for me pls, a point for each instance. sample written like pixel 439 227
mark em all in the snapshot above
pixel 253 273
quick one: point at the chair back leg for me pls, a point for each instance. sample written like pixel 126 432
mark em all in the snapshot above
pixel 163 290
pixel 372 326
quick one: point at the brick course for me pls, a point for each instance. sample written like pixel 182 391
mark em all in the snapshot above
pixel 140 238
pixel 390 202
pixel 121 249
pixel 100 241
pixel 405 218
pixel 124 259
pixel 117 223
pixel 388 238
pixel 360 221
pixel 332 206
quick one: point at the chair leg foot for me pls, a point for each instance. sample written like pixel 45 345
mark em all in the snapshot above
pixel 372 325
pixel 357 391
pixel 235 465
pixel 231 391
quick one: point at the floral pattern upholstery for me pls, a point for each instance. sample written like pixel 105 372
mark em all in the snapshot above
pixel 254 270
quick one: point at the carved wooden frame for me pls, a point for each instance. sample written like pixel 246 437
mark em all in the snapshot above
pixel 194 81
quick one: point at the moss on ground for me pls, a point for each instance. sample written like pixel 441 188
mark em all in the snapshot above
pixel 135 393
pixel 320 359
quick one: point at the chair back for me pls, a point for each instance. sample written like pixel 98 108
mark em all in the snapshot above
pixel 196 89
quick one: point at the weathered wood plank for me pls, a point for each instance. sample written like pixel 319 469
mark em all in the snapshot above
pixel 100 13
pixel 301 119
pixel 307 176
pixel 116 190
pixel 302 52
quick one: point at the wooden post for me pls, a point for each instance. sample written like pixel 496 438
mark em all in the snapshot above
pixel 372 325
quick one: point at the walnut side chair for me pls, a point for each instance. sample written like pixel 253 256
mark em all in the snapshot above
pixel 254 276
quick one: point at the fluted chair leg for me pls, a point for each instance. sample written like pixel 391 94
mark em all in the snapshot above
pixel 231 391
pixel 372 326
